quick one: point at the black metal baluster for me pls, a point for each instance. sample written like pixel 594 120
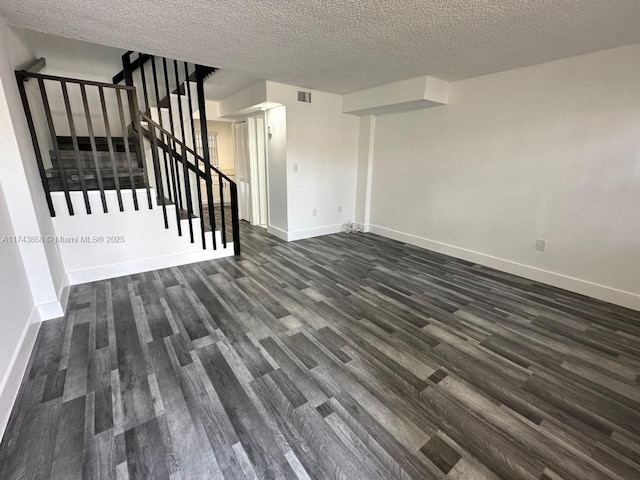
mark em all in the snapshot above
pixel 144 83
pixel 174 144
pixel 200 209
pixel 94 149
pixel 195 157
pixel 187 186
pixel 112 156
pixel 235 221
pixel 223 225
pixel 164 153
pixel 180 113
pixel 56 148
pixel 171 143
pixel 157 170
pixel 205 149
pixel 179 206
pixel 127 152
pixel 168 97
pixel 176 186
pixel 136 119
pixel 36 144
pixel 76 147
pixel 132 97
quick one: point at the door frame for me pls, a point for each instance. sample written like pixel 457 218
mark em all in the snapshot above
pixel 255 208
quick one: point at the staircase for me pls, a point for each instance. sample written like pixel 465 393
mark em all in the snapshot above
pixel 131 145
pixel 81 165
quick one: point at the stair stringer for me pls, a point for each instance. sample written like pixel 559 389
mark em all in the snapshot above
pixel 107 245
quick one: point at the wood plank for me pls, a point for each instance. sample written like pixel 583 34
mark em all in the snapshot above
pixel 347 355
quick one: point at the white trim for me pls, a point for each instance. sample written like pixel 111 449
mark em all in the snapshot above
pixel 17 367
pixel 314 232
pixel 63 293
pixel 139 266
pixel 50 310
pixel 584 287
pixel 277 232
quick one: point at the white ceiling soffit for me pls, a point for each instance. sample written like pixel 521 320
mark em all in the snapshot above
pixel 342 46
pixel 224 83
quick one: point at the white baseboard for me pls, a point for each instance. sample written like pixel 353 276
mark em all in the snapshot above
pixel 104 272
pixel 50 310
pixel 19 361
pixel 583 287
pixel 277 232
pixel 302 234
pixel 314 232
pixel 63 293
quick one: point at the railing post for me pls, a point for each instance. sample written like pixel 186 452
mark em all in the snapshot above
pixel 133 100
pixel 235 221
pixel 195 158
pixel 205 148
pixel 137 121
pixel 36 145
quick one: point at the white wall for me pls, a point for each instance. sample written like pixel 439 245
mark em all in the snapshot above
pixel 18 318
pixel 106 245
pixel 21 182
pixel 26 284
pixel 76 59
pixel 322 158
pixel 277 171
pixel 224 136
pixel 313 157
pixel 550 151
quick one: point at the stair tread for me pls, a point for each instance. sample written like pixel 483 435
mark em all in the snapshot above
pixel 119 169
pixel 55 185
pixel 105 174
pixel 184 215
pixel 65 143
pixel 88 154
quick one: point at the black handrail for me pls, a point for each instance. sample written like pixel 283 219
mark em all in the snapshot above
pixel 147 118
pixel 141 60
pixel 72 166
pixel 106 155
pixel 167 142
pixel 22 74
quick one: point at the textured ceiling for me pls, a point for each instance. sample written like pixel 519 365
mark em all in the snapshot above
pixel 342 45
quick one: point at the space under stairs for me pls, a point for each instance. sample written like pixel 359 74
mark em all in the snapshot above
pixel 121 157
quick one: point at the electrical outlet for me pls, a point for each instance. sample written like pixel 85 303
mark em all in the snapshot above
pixel 541 244
pixel 339 208
pixel 295 167
pixel 315 212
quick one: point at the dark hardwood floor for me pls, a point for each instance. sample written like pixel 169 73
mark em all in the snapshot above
pixel 346 356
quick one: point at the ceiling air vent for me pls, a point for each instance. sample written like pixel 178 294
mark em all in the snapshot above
pixel 304 96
